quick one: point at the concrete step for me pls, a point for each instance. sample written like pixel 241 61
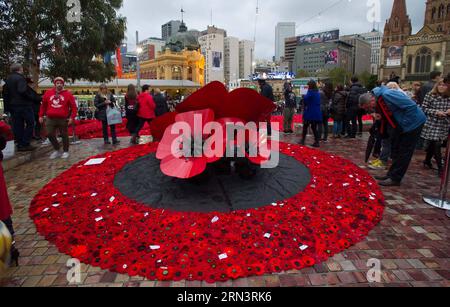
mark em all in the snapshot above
pixel 21 158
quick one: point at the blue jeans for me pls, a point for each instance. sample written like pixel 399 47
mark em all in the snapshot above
pixel 337 128
pixel 23 124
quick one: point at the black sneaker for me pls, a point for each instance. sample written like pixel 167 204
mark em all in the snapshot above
pixel 382 178
pixel 107 143
pixel 389 183
pixel 117 142
pixel 316 145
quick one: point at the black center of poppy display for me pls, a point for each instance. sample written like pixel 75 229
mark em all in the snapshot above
pixel 143 181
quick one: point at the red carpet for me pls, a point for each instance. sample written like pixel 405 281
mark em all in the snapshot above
pixel 87 218
pixel 92 129
pixel 298 119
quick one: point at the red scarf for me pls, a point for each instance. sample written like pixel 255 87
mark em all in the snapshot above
pixel 386 114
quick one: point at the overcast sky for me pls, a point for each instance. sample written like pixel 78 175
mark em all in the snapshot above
pixel 238 17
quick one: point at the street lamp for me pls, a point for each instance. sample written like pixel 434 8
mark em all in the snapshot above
pixel 138 67
pixel 138 64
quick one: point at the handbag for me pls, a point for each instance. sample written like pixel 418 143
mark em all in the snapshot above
pixel 113 116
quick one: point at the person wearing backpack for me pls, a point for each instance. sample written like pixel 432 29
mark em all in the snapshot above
pixel 338 111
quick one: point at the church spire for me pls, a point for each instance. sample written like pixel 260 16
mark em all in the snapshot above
pixel 399 9
pixel 398 27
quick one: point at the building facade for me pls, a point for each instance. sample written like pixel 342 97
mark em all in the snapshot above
pixel 214 30
pixel 246 58
pixel 283 31
pixel 396 32
pixel 231 59
pixel 321 57
pixel 213 49
pixel 421 53
pixel 290 46
pixel 169 29
pixel 362 52
pixel 150 48
pixel 181 60
pixel 375 38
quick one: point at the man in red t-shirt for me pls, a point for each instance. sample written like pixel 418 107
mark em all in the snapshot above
pixel 60 109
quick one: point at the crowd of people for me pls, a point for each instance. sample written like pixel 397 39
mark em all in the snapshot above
pixel 404 120
pixel 322 103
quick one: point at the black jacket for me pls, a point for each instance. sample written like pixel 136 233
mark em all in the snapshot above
pixel 161 105
pixel 267 91
pixel 16 92
pixel 356 90
pixel 291 100
pixel 338 107
pixel 424 90
pixel 100 104
pixel 36 98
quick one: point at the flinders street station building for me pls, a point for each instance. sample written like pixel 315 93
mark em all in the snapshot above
pixel 413 56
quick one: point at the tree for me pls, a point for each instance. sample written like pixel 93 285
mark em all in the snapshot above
pixel 9 51
pixel 301 73
pixel 373 82
pixel 53 45
pixel 339 75
pixel 364 78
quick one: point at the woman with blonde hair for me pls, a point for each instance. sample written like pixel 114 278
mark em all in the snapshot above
pixel 436 106
pixel 104 100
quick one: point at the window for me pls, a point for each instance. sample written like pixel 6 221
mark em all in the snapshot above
pixel 423 61
pixel 441 11
pixel 410 58
pixel 396 22
pixel 433 13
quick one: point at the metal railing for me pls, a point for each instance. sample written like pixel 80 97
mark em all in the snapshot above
pixel 440 201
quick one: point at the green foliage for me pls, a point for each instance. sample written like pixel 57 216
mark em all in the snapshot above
pixel 302 74
pixel 52 46
pixel 339 75
pixel 372 83
pixel 364 78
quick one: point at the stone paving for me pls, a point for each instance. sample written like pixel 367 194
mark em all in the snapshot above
pixel 412 242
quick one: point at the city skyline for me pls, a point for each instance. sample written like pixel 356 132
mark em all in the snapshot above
pixel 241 23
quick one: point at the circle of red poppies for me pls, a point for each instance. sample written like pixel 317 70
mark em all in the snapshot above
pixel 83 214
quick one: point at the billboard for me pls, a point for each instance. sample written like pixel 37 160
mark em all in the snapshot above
pixel 217 60
pixel 332 57
pixel 394 56
pixel 321 37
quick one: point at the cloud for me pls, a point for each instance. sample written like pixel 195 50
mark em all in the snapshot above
pixel 238 17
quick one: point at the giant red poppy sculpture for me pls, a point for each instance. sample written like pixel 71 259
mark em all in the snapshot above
pixel 212 125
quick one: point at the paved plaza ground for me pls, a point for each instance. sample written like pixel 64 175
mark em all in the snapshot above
pixel 412 242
